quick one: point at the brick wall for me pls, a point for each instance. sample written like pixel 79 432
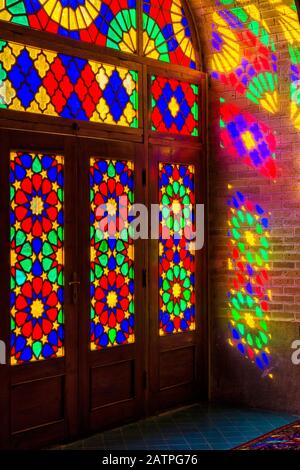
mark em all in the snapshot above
pixel 234 378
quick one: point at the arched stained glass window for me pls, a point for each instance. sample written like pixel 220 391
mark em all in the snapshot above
pixel 111 23
pixel 166 32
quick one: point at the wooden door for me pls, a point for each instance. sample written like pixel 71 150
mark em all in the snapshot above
pixel 90 379
pixel 177 282
pixel 115 362
pixel 111 311
pixel 38 312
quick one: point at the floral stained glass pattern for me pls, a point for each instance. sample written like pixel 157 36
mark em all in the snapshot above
pixel 45 82
pixel 111 254
pixel 175 106
pixel 166 32
pixel 37 258
pixel 109 23
pixel 176 259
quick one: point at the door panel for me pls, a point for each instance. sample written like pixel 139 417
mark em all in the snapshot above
pixel 111 365
pixel 177 278
pixel 40 364
pixel 126 350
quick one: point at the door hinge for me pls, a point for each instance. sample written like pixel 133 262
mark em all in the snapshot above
pixel 144 278
pixel 144 177
pixel 145 379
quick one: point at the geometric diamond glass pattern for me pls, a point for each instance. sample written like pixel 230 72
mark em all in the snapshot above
pixel 46 82
pixel 174 106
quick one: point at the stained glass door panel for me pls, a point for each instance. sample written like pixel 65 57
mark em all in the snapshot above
pixel 37 256
pixel 177 278
pixel 111 358
pixel 35 291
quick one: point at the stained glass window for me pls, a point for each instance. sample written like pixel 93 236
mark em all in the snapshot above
pixel 175 106
pixel 176 259
pixel 110 23
pixel 166 32
pixel 249 295
pixel 46 82
pixel 111 253
pixel 36 256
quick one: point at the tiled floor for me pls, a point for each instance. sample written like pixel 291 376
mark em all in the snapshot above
pixel 198 427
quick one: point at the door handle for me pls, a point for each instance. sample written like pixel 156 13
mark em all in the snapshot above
pixel 74 284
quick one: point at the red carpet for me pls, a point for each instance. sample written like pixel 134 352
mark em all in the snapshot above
pixel 284 438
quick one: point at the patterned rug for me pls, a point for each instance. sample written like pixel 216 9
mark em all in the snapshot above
pixel 284 438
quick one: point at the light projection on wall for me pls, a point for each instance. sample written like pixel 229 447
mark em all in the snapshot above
pixel 295 84
pixel 244 56
pixel 45 82
pixel 109 23
pixel 175 106
pixel 289 21
pixel 244 137
pixel 36 256
pixel 112 259
pixel 248 296
pixel 176 261
pixel 166 32
pixel 244 60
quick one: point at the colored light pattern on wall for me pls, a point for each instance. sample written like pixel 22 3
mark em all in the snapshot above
pixel 289 21
pixel 295 85
pixel 45 82
pixel 176 261
pixel 109 23
pixel 166 32
pixel 248 296
pixel 175 106
pixel 112 260
pixel 36 256
pixel 244 137
pixel 244 56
